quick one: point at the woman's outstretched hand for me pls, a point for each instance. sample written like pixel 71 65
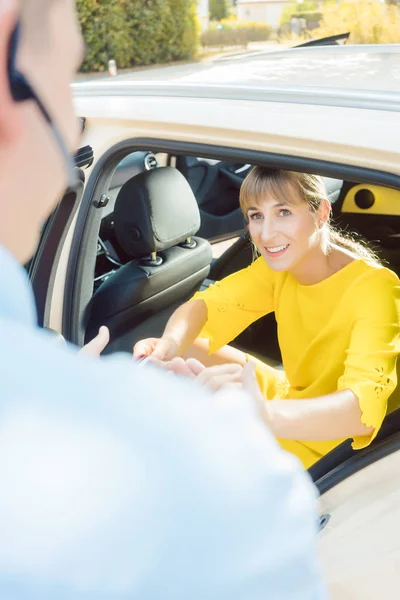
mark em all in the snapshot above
pixel 213 378
pixel 220 376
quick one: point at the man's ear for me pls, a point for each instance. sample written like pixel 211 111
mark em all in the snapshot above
pixel 10 120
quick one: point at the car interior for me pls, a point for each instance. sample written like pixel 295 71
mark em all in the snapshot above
pixel 171 225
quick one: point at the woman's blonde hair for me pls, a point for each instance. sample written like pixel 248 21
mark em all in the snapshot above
pixel 289 185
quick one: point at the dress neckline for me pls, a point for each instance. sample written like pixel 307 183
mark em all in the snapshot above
pixel 333 276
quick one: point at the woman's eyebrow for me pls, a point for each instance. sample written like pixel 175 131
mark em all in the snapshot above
pixel 276 205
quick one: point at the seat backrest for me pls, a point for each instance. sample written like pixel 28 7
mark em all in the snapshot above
pixel 155 219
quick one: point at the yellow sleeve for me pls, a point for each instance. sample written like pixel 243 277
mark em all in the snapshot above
pixel 235 302
pixel 370 366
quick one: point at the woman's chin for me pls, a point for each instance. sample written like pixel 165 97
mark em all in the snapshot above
pixel 276 264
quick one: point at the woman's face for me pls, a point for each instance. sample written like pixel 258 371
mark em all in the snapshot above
pixel 285 235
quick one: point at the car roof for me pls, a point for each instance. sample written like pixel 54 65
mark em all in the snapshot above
pixel 356 67
pixel 342 76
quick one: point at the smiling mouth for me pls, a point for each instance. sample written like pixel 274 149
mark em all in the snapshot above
pixel 276 251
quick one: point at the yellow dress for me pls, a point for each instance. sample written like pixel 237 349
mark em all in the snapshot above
pixel 341 333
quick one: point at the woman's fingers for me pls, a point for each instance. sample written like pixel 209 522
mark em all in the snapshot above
pixel 97 345
pixel 164 350
pixel 144 347
pixel 220 376
pixel 158 348
pixel 195 366
pixel 180 367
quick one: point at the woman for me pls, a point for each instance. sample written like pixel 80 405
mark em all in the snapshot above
pixel 336 309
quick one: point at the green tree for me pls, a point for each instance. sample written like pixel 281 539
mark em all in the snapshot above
pixel 218 9
pixel 105 33
pixel 184 34
pixel 145 20
pixel 137 32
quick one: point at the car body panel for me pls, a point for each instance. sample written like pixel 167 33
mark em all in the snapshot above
pixel 289 94
pixel 367 138
pixel 360 546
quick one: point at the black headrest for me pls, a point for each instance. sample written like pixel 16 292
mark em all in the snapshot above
pixel 155 210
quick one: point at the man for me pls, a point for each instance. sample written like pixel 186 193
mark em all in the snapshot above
pixel 118 481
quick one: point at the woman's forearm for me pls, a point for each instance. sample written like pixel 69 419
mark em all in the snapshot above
pixel 331 417
pixel 185 324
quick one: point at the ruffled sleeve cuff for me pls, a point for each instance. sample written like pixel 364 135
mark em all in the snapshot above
pixel 373 400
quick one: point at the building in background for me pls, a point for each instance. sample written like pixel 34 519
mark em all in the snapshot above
pixel 203 12
pixel 261 11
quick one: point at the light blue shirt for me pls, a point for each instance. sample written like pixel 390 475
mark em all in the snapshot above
pixel 121 482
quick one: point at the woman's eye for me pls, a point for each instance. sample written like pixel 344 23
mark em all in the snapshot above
pixel 255 216
pixel 284 212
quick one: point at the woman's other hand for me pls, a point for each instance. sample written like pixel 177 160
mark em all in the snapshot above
pixel 160 349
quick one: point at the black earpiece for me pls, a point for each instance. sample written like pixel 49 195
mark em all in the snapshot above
pixel 18 85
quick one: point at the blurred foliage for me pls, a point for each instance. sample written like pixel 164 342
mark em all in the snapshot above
pixel 219 9
pixel 105 33
pixel 137 32
pixel 183 34
pixel 309 10
pixel 368 22
pixel 234 32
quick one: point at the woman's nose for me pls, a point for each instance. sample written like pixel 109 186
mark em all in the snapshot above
pixel 268 231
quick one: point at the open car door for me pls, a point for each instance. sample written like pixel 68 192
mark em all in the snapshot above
pixel 359 542
pixel 43 266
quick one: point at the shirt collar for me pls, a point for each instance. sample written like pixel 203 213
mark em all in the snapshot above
pixel 16 296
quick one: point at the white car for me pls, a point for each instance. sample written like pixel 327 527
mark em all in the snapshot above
pixel 131 246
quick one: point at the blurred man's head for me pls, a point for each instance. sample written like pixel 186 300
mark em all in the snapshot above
pixel 32 170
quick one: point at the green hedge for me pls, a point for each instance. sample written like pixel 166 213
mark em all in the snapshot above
pixel 231 32
pixel 137 32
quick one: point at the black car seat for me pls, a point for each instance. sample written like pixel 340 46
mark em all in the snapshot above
pixel 155 218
